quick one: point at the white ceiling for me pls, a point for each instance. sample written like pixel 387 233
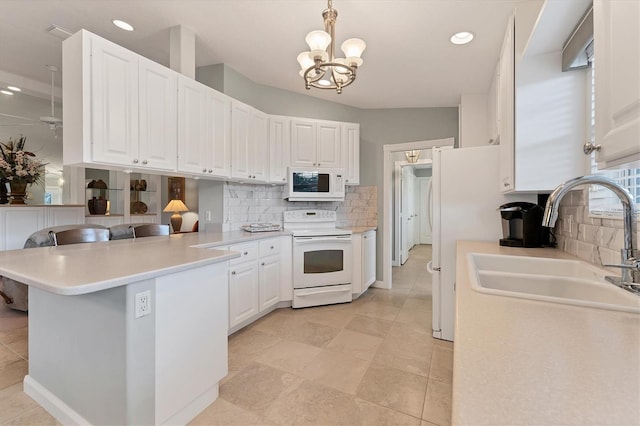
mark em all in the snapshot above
pixel 408 62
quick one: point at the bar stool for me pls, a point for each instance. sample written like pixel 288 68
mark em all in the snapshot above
pixel 149 230
pixel 76 236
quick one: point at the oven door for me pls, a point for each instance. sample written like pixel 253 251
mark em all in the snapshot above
pixel 322 261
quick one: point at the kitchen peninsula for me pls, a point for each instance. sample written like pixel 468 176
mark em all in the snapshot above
pixel 126 331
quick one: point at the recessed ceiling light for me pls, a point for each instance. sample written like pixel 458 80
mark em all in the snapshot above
pixel 122 25
pixel 462 37
pixel 6 92
pixel 14 88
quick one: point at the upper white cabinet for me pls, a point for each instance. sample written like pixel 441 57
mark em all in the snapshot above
pixel 350 156
pixel 617 82
pixel 119 108
pixel 157 89
pixel 240 141
pixel 315 143
pixel 204 128
pixel 279 148
pixel 505 116
pixel 259 145
pixel 541 113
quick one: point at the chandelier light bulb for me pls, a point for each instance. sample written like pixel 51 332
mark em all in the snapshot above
pixel 305 62
pixel 318 40
pixel 353 47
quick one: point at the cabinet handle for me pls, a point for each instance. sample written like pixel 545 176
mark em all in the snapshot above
pixel 271 247
pixel 319 164
pixel 588 148
pixel 365 237
pixel 506 184
pixel 233 272
pixel 284 179
pixel 135 161
pixel 210 170
pixel 204 170
pixel 262 263
pixel 245 253
pixel 144 161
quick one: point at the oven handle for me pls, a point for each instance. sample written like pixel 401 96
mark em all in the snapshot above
pixel 329 290
pixel 312 240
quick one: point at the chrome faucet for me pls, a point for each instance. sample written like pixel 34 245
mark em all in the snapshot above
pixel 630 265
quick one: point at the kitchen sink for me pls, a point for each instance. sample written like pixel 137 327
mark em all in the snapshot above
pixel 570 282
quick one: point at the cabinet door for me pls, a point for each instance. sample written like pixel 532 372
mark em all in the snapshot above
pixel 303 142
pixel 279 149
pixel 192 126
pixel 259 146
pixel 114 103
pixel 17 224
pixel 219 134
pixel 158 97
pixel 240 133
pixel 617 81
pixel 269 282
pixel 506 101
pixel 368 259
pixel 351 153
pixel 243 292
pixel 328 147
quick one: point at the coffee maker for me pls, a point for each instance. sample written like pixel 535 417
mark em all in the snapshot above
pixel 521 224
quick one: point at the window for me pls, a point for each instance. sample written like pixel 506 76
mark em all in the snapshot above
pixel 603 202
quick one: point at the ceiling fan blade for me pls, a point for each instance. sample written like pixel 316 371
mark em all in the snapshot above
pixel 16 116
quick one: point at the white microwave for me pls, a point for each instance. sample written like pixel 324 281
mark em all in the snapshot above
pixel 314 184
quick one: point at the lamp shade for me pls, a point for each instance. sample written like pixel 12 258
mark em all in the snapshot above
pixel 305 62
pixel 176 206
pixel 318 40
pixel 353 47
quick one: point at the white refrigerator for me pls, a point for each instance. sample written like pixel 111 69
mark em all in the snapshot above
pixel 466 197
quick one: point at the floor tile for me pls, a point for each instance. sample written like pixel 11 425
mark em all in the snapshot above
pixel 246 345
pixel 357 344
pixel 34 416
pixel 379 310
pixel 288 356
pixel 368 325
pixel 337 370
pixel 437 404
pixel 393 388
pixel 224 413
pixel 441 364
pixel 14 402
pixel 12 368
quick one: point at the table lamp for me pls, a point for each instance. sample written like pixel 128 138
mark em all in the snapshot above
pixel 176 206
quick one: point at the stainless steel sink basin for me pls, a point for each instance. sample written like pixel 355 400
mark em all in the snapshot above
pixel 568 282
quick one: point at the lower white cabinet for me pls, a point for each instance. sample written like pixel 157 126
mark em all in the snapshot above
pixel 258 279
pixel 364 261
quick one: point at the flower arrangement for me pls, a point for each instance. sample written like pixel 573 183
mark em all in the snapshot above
pixel 18 165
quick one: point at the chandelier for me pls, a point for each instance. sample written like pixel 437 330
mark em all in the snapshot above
pixel 412 156
pixel 320 68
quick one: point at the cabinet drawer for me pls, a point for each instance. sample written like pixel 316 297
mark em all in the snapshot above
pixel 248 252
pixel 270 247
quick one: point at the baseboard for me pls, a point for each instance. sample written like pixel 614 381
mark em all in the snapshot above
pixel 379 284
pixel 52 404
pixel 198 405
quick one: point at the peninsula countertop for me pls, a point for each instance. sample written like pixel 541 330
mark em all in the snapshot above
pixel 87 268
pixel 525 362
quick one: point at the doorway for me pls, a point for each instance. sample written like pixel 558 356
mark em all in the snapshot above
pixel 388 201
pixel 412 207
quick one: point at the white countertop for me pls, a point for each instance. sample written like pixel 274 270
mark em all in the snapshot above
pixel 525 362
pixel 87 268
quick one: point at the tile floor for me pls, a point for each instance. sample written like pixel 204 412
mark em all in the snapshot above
pixel 370 362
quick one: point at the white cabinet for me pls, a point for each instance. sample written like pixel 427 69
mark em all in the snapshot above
pixel 259 146
pixel 368 259
pixel 542 119
pixel 506 108
pixel 279 148
pixel 113 102
pixel 364 261
pixel 243 292
pixel 204 128
pixel 617 82
pixel 157 116
pixel 350 156
pixel 315 143
pixel 57 216
pixel 119 108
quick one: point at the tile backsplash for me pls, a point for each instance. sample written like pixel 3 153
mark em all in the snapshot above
pixel 596 240
pixel 249 203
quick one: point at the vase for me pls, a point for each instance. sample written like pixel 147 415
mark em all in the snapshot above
pixel 4 198
pixel 17 192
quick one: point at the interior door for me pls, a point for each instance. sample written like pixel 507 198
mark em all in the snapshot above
pixel 425 215
pixel 404 217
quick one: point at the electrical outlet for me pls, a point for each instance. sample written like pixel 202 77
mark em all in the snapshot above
pixel 207 215
pixel 143 303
